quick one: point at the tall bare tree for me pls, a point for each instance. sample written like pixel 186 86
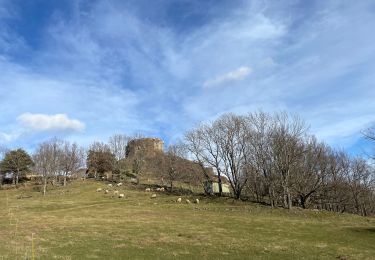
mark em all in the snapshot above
pixel 287 150
pixel 71 160
pixel 47 160
pixel 311 171
pixel 172 166
pixel 260 154
pixel 234 138
pixel 204 144
pixel 194 146
pixel 117 144
pixel 360 180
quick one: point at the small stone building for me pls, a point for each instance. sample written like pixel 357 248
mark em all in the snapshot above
pixel 211 186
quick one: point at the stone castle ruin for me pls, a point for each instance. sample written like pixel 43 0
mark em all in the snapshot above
pixel 145 147
pixel 149 148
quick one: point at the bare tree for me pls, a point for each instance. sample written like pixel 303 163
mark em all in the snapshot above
pixel 204 144
pixel 71 159
pixel 287 149
pixel 172 165
pixel 234 137
pixel 260 154
pixel 369 133
pixel 336 193
pixel 194 145
pixel 117 144
pixel 360 180
pixel 312 170
pixel 139 164
pixel 46 159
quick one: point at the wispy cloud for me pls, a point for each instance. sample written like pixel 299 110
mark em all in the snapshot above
pixel 6 138
pixel 235 75
pixel 120 67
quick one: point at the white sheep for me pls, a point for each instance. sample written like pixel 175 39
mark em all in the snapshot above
pixel 197 201
pixel 109 185
pixel 99 189
pixel 188 201
pixel 162 189
pixel 147 190
pixel 153 196
pixel 116 192
pixel 119 184
pixel 121 195
pixel 179 200
pixel 106 191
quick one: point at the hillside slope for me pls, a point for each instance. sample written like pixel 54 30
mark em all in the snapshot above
pixel 76 222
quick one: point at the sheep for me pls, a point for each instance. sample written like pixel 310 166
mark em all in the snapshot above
pixel 115 192
pixel 197 201
pixel 162 189
pixel 121 195
pixel 188 201
pixel 106 191
pixel 99 189
pixel 119 184
pixel 153 196
pixel 147 190
pixel 157 189
pixel 179 200
pixel 109 185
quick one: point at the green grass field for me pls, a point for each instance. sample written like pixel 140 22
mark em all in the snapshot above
pixel 76 222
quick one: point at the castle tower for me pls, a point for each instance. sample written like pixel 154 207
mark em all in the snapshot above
pixel 145 147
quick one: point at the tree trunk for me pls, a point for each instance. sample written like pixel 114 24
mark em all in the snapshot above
pixel 364 210
pixel 237 194
pixel 285 197
pixel 289 198
pixel 18 174
pixel 303 201
pixel 220 184
pixel 45 186
pixel 271 197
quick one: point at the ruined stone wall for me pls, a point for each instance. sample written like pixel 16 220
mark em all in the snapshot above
pixel 145 147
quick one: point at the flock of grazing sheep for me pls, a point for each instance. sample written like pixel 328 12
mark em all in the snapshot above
pixel 116 193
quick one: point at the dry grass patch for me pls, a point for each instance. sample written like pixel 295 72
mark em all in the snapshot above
pixel 77 222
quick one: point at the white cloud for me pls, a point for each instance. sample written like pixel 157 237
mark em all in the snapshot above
pixel 42 122
pixel 235 75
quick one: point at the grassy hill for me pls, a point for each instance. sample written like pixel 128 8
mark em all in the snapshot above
pixel 76 222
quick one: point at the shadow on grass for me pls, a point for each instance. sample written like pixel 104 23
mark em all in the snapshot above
pixel 363 230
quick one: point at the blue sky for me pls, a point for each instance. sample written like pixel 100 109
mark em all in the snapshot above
pixel 84 70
